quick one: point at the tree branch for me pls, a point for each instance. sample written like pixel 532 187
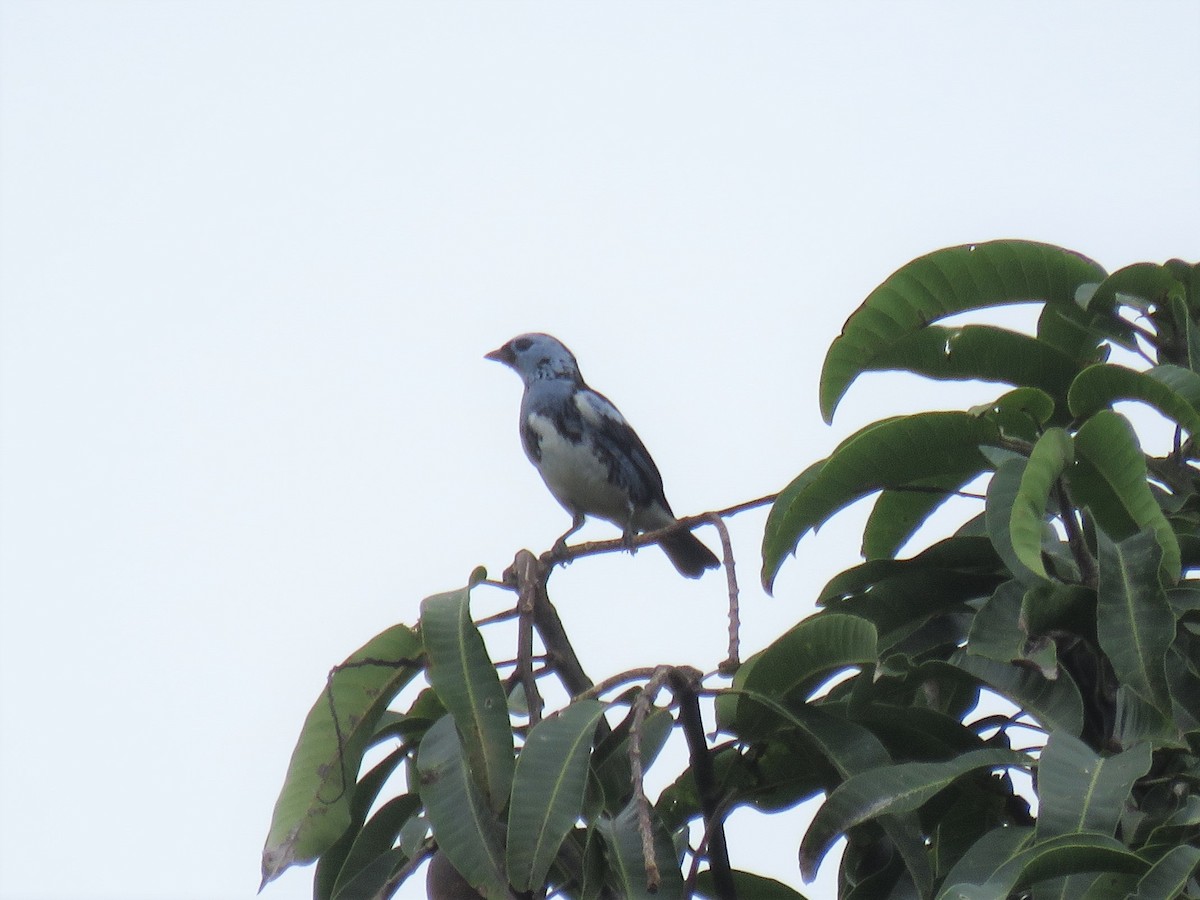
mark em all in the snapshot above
pixel 683 685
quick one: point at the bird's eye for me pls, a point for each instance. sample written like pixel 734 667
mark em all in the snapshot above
pixel 522 344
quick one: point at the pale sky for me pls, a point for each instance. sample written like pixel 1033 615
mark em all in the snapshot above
pixel 252 254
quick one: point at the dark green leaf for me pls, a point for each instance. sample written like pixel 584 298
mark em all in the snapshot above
pixel 1109 478
pixel 1135 624
pixel 313 809
pixel 547 793
pixel 895 789
pixel 610 762
pixel 995 632
pixel 1142 286
pixel 796 664
pixel 1080 791
pixel 940 284
pixel 1020 413
pixel 1056 705
pixel 1067 854
pixel 891 454
pixel 628 864
pixel 747 885
pixel 850 749
pixel 372 860
pixel 463 825
pixel 898 514
pixel 466 682
pixel 1168 877
pixel 998 513
pixel 1051 455
pixel 1171 390
pixel 983 353
pixel 964 881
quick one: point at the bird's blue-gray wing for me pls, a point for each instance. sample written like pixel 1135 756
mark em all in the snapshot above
pixel 617 444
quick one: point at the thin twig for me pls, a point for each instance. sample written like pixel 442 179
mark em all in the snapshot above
pixel 731 662
pixel 528 582
pixel 1075 540
pixel 504 616
pixel 615 681
pixel 641 802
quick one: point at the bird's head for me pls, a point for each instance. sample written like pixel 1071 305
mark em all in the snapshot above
pixel 536 356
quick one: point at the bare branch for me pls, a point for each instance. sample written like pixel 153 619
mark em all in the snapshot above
pixel 733 660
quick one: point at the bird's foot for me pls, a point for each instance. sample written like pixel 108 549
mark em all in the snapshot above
pixel 559 553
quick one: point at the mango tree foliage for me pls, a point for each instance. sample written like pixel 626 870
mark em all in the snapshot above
pixel 1055 633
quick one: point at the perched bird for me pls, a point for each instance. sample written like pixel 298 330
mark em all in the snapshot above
pixel 590 458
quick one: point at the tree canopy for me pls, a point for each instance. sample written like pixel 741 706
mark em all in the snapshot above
pixel 1068 599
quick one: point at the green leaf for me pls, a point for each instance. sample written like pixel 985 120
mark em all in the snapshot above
pixel 850 749
pixel 1134 621
pixel 1056 705
pixel 747 885
pixel 983 353
pixel 610 761
pixel 901 603
pixel 1173 391
pixel 1020 413
pixel 314 805
pixel 466 682
pixel 796 664
pixel 1168 878
pixel 547 793
pixel 366 792
pixel 1109 478
pixel 371 860
pixel 900 788
pixel 888 455
pixel 1067 854
pixel 627 863
pixel 462 823
pixel 981 861
pixel 1050 456
pixel 1142 286
pixel 898 514
pixel 940 284
pixel 1080 791
pixel 994 631
pixel 998 510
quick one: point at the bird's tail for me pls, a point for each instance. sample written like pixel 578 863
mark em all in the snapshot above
pixel 688 554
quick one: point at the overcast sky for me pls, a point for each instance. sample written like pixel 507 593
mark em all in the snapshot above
pixel 252 254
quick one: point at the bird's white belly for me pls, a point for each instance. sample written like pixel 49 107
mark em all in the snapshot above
pixel 576 476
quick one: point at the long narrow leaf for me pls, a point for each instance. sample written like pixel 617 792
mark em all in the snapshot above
pixel 1168 877
pixel 1054 704
pixel 466 682
pixel 313 809
pixel 1134 621
pixel 1173 391
pixel 1079 790
pixel 1109 478
pixel 942 283
pixel 894 453
pixel 1050 456
pixel 1067 854
pixel 850 750
pixel 465 829
pixel 795 664
pixel 628 864
pixel 548 787
pixel 900 788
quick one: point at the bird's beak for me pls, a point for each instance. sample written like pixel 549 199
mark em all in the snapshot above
pixel 502 355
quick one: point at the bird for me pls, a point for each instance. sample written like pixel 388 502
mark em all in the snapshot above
pixel 590 458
